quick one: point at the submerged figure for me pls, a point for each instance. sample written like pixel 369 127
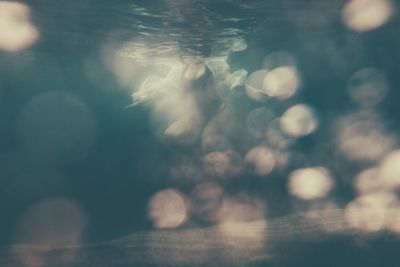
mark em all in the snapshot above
pixel 189 96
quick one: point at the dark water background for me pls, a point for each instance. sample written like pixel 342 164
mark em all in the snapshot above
pixel 66 130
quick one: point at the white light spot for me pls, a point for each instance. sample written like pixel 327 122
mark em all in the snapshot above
pixel 299 120
pixel 281 82
pixel 16 30
pixel 390 169
pixel 168 209
pixel 261 159
pixel 365 15
pixel 310 183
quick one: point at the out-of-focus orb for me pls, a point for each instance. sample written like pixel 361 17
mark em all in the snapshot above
pixel 261 159
pixel 368 87
pixel 254 85
pixel 368 181
pixel 47 225
pixel 56 127
pixel 362 137
pixel 126 70
pixel 242 208
pixel 215 142
pixel 281 82
pixel 222 164
pixel 16 30
pixel 278 59
pixel 206 198
pixel 257 121
pixel 365 15
pixel 299 120
pixel 186 172
pixel 168 209
pixel 310 183
pixel 390 169
pixel 276 137
pixel 53 222
pixel 370 213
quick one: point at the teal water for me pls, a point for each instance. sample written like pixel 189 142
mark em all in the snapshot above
pixel 212 105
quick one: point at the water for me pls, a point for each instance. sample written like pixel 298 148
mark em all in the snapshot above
pixel 199 133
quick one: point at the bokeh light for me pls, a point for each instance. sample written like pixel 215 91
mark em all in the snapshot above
pixel 369 180
pixel 261 160
pixel 365 15
pixel 310 183
pixel 64 119
pixel 16 29
pixel 368 87
pixel 362 137
pixel 390 169
pixel 206 199
pixel 224 164
pixel 281 82
pixel 241 222
pixel 299 120
pixel 255 85
pixel 168 209
pixel 371 212
pixel 49 224
pixel 258 121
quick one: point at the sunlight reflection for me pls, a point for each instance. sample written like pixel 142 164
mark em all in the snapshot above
pixel 299 120
pixel 365 15
pixel 16 30
pixel 261 160
pixel 368 87
pixel 50 224
pixel 168 209
pixel 310 183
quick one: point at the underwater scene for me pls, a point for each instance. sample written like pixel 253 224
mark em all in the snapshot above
pixel 152 133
